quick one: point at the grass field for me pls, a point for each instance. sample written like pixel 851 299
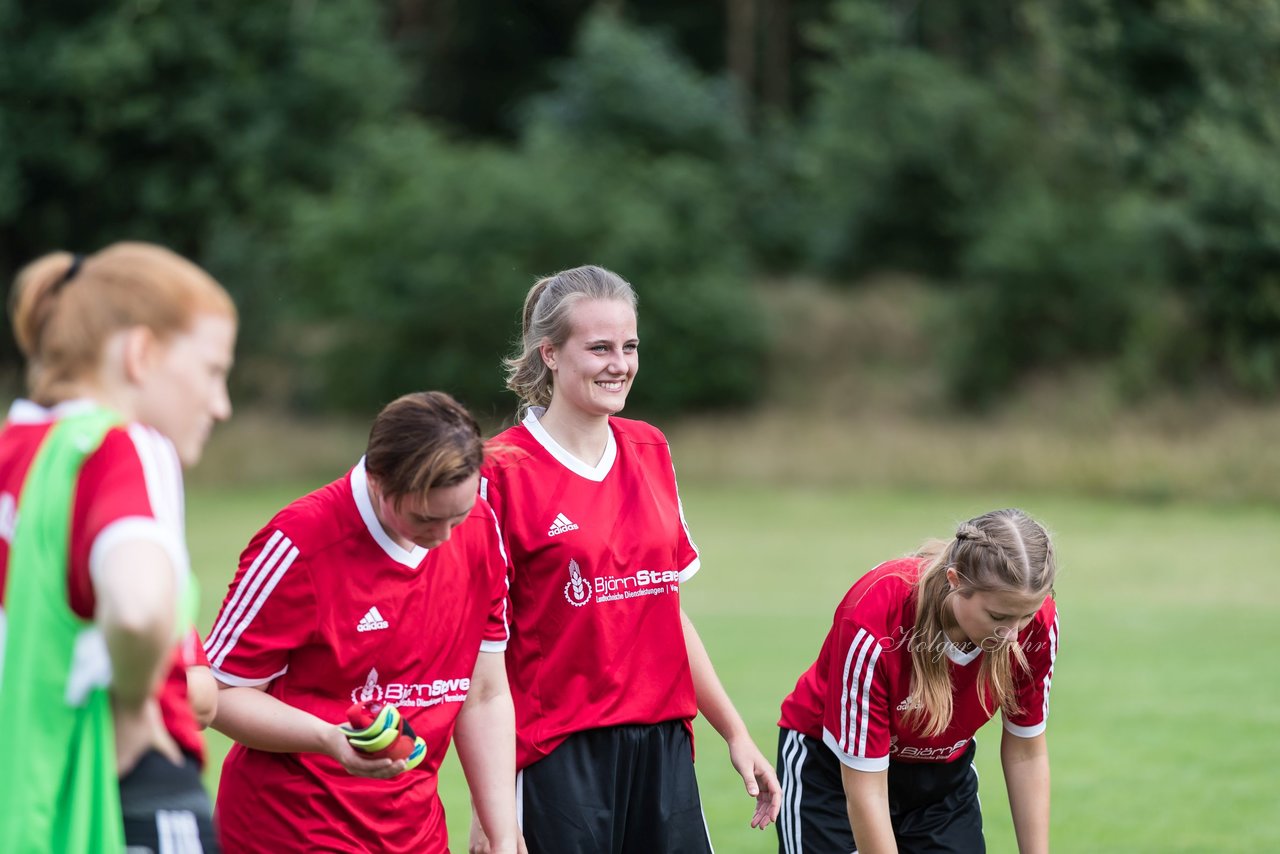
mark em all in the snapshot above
pixel 1166 703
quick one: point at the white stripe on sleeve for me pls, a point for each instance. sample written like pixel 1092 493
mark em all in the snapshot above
pixel 281 568
pixel 853 708
pixel 1053 658
pixel 162 480
pixel 250 594
pixel 506 581
pixel 680 506
pixel 502 549
pixel 1035 729
pixel 866 697
pixel 844 688
pixel 163 473
pixel 235 605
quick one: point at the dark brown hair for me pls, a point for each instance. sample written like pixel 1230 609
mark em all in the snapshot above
pixel 422 441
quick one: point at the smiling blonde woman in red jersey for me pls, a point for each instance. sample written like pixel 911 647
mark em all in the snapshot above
pixel 607 671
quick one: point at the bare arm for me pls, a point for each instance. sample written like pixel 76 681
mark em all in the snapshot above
pixel 202 694
pixel 485 735
pixel 257 720
pixel 136 594
pixel 866 795
pixel 714 704
pixel 1026 776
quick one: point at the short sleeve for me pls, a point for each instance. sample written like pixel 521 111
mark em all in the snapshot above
pixel 129 489
pixel 491 491
pixel 1040 645
pixel 687 557
pixel 856 721
pixel 269 611
pixel 191 650
pixel 497 629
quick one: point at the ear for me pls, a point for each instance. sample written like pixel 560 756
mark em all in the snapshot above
pixel 547 351
pixel 953 578
pixel 139 350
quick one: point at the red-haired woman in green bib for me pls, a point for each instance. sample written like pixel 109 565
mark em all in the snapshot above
pixel 128 351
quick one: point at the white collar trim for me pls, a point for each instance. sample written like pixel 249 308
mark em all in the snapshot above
pixel 597 473
pixel 360 492
pixel 25 411
pixel 961 658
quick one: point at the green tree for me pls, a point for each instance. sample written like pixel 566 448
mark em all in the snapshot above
pixel 901 147
pixel 1182 96
pixel 182 122
pixel 422 254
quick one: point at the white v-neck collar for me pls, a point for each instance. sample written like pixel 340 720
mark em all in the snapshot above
pixel 961 658
pixel 598 472
pixel 360 492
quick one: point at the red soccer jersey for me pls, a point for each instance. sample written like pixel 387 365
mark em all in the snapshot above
pixel 597 558
pixel 854 696
pixel 326 610
pixel 130 488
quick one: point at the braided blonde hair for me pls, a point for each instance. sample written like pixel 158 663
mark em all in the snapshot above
pixel 1004 551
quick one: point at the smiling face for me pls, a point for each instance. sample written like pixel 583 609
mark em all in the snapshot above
pixel 425 522
pixel 989 618
pixel 182 390
pixel 595 366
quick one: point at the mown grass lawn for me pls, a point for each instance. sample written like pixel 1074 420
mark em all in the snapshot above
pixel 1166 699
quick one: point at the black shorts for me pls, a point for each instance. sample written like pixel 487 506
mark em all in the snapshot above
pixel 933 806
pixel 616 790
pixel 166 809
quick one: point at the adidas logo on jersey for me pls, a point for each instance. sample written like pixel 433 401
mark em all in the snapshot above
pixel 561 525
pixel 372 621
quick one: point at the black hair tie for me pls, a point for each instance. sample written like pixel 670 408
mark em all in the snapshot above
pixel 77 261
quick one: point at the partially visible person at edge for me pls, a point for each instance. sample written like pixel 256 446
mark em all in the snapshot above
pixel 607 671
pixel 877 739
pixel 128 352
pixel 388 585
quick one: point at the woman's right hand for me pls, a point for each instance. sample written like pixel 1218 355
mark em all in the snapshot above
pixel 478 843
pixel 360 764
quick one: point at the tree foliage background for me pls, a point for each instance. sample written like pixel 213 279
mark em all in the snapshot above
pixel 378 182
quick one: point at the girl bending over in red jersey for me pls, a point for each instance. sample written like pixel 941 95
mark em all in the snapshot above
pixel 877 737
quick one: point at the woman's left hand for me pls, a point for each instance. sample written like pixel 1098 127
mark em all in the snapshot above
pixel 760 779
pixel 137 732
